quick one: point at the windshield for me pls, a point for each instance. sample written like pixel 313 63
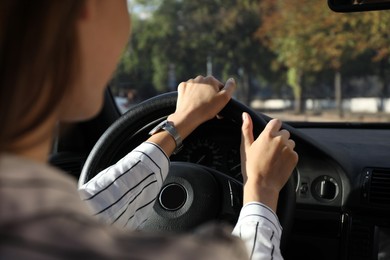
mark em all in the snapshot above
pixel 294 60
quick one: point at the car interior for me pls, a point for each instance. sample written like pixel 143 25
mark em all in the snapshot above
pixel 337 205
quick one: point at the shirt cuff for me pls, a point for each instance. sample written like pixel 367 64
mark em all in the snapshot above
pixel 155 154
pixel 256 211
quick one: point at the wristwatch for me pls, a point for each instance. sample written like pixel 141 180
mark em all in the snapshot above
pixel 171 129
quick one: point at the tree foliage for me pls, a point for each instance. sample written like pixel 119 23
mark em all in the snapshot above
pixel 307 37
pixel 254 41
pixel 186 36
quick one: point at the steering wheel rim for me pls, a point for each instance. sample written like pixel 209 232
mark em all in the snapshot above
pixel 131 128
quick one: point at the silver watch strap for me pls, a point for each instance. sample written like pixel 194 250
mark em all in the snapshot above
pixel 171 129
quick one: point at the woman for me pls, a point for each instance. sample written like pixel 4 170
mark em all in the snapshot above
pixel 56 58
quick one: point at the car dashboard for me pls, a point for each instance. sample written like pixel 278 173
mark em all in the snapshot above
pixel 342 183
pixel 360 158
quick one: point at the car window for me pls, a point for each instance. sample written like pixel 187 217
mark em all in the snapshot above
pixel 295 60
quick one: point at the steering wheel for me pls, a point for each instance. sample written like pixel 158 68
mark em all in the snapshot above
pixel 192 194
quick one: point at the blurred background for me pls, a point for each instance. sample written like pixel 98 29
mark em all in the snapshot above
pixel 295 60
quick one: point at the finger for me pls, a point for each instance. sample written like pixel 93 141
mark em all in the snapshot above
pixel 247 137
pixel 273 127
pixel 291 144
pixel 215 82
pixel 210 80
pixel 291 158
pixel 284 134
pixel 229 88
pixel 246 141
pixel 223 96
pixel 295 158
pixel 199 78
pixel 181 87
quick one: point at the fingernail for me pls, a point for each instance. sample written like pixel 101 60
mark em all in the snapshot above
pixel 232 80
pixel 244 116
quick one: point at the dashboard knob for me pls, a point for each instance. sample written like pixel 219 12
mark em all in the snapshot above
pixel 325 188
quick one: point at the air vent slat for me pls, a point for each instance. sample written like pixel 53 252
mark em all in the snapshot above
pixel 379 191
pixel 360 241
pixel 381 188
pixel 381 180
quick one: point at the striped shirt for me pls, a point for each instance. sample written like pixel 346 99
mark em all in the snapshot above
pixel 123 195
pixel 42 217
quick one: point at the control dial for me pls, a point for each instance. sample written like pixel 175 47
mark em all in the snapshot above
pixel 325 188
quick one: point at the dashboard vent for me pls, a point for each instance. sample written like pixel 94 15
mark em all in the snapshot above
pixel 379 187
pixel 360 245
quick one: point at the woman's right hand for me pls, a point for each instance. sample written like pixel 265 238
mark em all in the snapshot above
pixel 266 162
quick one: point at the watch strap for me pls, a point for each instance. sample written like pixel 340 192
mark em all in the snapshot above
pixel 172 131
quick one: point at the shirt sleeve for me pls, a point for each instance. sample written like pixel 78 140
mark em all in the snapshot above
pixel 42 217
pixel 124 193
pixel 259 228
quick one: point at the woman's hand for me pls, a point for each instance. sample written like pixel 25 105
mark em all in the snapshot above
pixel 266 162
pixel 199 100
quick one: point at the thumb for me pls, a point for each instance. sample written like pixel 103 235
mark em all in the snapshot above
pixel 247 131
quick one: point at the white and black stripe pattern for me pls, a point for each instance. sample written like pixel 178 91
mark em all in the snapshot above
pixel 259 227
pixel 124 193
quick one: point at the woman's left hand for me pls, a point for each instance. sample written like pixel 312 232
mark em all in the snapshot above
pixel 199 100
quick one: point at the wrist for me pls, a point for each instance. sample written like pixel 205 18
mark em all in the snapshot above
pixel 172 131
pixel 183 124
pixel 263 194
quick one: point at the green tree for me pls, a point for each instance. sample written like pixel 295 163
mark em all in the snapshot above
pixel 185 37
pixel 307 37
pixel 135 70
pixel 376 38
